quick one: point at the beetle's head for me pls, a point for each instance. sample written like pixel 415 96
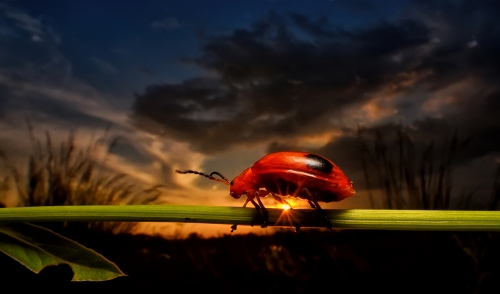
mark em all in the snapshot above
pixel 237 189
pixel 242 184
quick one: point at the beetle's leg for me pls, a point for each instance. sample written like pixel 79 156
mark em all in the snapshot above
pixel 315 205
pixel 322 213
pixel 311 204
pixel 233 227
pixel 258 215
pixel 265 215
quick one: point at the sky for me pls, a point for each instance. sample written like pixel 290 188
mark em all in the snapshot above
pixel 217 85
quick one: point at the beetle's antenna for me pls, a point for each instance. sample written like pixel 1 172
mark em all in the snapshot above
pixel 219 174
pixel 208 176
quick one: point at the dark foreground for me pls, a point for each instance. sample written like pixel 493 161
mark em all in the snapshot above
pixel 307 262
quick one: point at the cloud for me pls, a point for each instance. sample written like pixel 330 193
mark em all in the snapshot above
pixel 26 22
pixel 270 84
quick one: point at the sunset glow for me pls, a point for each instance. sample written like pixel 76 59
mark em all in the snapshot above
pixel 285 207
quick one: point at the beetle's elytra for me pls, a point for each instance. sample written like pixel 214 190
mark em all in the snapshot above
pixel 288 174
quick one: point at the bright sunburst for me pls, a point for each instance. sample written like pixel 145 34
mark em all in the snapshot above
pixel 285 206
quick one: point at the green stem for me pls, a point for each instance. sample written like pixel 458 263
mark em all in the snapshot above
pixel 440 220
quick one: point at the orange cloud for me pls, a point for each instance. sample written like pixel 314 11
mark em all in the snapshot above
pixel 444 100
pixel 381 105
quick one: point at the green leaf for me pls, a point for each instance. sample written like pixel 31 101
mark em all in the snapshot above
pixel 36 248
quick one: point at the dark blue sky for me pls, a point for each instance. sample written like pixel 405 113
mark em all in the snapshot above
pixel 121 46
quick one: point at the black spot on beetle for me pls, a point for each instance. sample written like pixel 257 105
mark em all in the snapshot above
pixel 319 163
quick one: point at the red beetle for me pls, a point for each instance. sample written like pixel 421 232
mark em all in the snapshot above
pixel 295 174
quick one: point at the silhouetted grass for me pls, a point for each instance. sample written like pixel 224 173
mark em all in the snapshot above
pixel 68 175
pixel 495 191
pixel 415 176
